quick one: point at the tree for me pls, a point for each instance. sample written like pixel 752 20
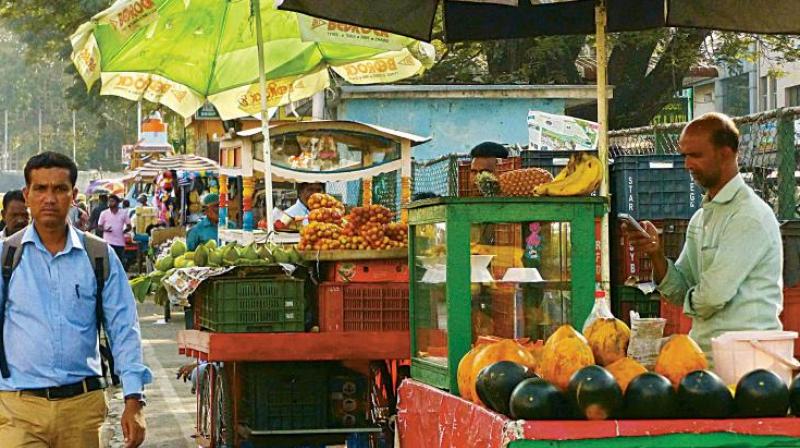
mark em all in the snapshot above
pixel 646 68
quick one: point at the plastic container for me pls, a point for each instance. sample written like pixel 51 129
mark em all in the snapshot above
pixel 625 299
pixel 253 305
pixel 737 353
pixel 790 317
pixel 363 306
pixel 654 187
pixel 677 322
pixel 285 395
pixel 368 271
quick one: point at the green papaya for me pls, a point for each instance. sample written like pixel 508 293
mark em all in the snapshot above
pixel 211 244
pixel 265 254
pixel 200 256
pixel 280 256
pixel 294 256
pixel 165 263
pixel 215 257
pixel 177 249
pixel 180 262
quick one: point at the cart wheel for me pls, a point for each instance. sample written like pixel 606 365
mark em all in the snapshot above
pixel 382 403
pixel 223 419
pixel 205 378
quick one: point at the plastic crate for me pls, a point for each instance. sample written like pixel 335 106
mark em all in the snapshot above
pixel 673 236
pixel 363 306
pixel 790 317
pixel 654 187
pixel 285 395
pixel 677 322
pixel 790 233
pixel 466 179
pixel 368 271
pixel 628 264
pixel 552 161
pixel 253 305
pixel 626 299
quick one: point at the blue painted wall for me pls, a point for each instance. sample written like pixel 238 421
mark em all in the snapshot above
pixel 455 124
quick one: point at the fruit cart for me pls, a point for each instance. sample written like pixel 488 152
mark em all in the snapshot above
pixel 429 417
pixel 332 370
pixel 508 267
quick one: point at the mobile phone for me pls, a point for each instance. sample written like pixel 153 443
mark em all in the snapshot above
pixel 628 219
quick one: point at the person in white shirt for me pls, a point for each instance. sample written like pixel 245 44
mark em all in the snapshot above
pixel 299 211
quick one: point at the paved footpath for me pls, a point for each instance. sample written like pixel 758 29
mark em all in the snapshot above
pixel 170 410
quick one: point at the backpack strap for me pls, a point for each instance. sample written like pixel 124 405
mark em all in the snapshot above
pixel 97 251
pixel 12 253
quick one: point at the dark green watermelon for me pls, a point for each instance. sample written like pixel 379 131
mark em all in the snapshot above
pixel 650 396
pixel 794 396
pixel 594 393
pixel 703 394
pixel 536 399
pixel 496 382
pixel 761 393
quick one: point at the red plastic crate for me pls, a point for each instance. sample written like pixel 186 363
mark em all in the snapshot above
pixel 368 271
pixel 466 180
pixel 790 317
pixel 677 322
pixel 363 306
pixel 626 262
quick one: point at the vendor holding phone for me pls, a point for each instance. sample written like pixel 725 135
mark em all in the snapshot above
pixel 728 275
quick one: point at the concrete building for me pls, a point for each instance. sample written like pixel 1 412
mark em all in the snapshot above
pixel 457 117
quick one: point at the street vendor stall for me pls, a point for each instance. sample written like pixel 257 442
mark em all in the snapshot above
pixel 311 151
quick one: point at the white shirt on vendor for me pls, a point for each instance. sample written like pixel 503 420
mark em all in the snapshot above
pixel 297 210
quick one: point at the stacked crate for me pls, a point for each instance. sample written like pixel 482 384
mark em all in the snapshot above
pixel 659 189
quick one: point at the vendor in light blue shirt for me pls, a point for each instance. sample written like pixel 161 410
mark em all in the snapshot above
pixel 207 228
pixel 728 276
pixel 299 211
pixel 49 324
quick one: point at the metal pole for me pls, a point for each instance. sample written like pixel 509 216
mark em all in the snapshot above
pixel 262 81
pixel 602 144
pixel 40 131
pixel 138 121
pixel 74 136
pixel 6 152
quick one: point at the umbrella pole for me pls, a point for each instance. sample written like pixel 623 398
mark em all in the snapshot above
pixel 602 144
pixel 262 81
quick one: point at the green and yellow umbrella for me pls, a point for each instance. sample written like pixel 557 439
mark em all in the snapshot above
pixel 236 54
pixel 181 53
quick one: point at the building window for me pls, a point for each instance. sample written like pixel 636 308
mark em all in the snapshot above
pixel 736 95
pixel 763 94
pixel 793 96
pixel 773 92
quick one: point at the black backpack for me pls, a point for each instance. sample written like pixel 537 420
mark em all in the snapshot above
pixel 97 251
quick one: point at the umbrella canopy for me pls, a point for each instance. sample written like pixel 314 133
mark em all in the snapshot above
pixel 181 53
pixel 106 186
pixel 182 162
pixel 503 19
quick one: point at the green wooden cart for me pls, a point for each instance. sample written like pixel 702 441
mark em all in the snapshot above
pixel 460 251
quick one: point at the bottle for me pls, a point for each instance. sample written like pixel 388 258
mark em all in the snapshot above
pixel 600 310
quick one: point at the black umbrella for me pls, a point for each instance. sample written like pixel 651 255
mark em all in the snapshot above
pixel 504 19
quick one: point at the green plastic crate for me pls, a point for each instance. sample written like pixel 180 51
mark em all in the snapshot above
pixel 625 299
pixel 285 395
pixel 253 305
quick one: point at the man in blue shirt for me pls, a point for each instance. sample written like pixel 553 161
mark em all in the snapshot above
pixel 206 229
pixel 53 396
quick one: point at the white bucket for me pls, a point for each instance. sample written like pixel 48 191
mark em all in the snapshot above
pixel 737 353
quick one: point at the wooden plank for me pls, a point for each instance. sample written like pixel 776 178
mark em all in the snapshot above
pixel 353 255
pixel 298 346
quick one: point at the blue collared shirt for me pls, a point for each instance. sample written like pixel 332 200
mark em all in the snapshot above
pixel 50 329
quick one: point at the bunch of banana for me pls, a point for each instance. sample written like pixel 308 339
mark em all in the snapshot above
pixel 580 177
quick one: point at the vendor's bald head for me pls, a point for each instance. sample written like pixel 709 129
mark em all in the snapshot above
pixel 710 145
pixel 306 189
pixel 484 157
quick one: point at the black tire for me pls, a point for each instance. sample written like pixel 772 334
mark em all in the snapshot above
pixel 222 436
